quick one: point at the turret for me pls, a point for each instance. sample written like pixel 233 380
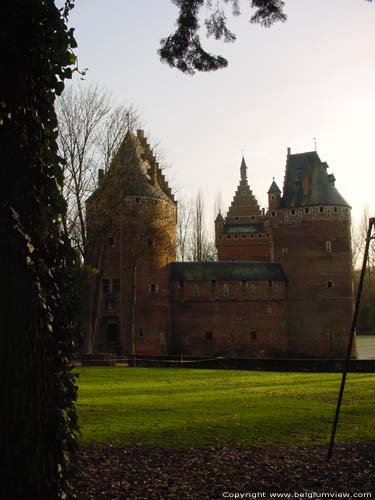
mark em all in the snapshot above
pixel 274 195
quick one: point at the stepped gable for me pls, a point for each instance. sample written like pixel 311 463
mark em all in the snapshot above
pixel 144 176
pixel 307 182
pixel 244 203
pixel 227 271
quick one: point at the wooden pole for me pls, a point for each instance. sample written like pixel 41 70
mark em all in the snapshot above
pixel 351 338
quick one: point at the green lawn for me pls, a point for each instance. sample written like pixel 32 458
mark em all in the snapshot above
pixel 187 408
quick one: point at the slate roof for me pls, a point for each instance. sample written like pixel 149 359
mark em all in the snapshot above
pixel 274 188
pixel 219 218
pixel 308 183
pixel 227 271
pixel 244 228
pixel 131 168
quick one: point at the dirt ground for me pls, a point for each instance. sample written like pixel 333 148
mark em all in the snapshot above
pixel 113 473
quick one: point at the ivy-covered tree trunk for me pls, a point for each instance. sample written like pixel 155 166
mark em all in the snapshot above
pixel 37 317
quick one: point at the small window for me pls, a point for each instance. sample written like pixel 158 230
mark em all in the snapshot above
pixel 116 285
pixel 111 241
pixel 328 245
pixel 153 288
pixel 138 200
pixel 284 251
pixel 196 291
pixel 253 334
pixel 236 218
pixel 181 283
pixel 225 290
pixel 106 286
pixel 209 336
pixel 213 283
pixel 252 217
pixel 267 235
pixel 335 209
pixel 307 211
pixel 269 310
pixel 252 290
pixel 110 305
pixel 269 283
pixel 150 242
pixel 243 283
pixel 272 197
pixel 141 334
pixel 228 236
pixel 243 236
pixel 321 209
pixel 251 235
pixel 235 236
pixel 220 237
pixel 293 212
pixel 162 338
pixel 273 213
pixel 329 284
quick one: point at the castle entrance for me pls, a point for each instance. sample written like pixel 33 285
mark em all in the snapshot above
pixel 113 338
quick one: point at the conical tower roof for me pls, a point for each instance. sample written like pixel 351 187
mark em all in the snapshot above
pixel 274 188
pixel 135 170
pixel 219 217
pixel 244 204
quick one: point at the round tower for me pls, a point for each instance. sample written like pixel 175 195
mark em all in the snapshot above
pixel 274 195
pixel 311 235
pixel 133 246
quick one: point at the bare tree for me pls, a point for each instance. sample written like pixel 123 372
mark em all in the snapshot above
pixel 366 318
pixel 183 229
pixel 90 127
pixel 202 247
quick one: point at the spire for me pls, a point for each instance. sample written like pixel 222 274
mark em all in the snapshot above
pixel 243 169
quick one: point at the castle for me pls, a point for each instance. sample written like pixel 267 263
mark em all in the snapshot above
pixel 282 285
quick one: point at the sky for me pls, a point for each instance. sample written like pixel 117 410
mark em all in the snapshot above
pixel 310 77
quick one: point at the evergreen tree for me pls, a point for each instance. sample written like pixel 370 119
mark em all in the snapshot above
pixel 183 49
